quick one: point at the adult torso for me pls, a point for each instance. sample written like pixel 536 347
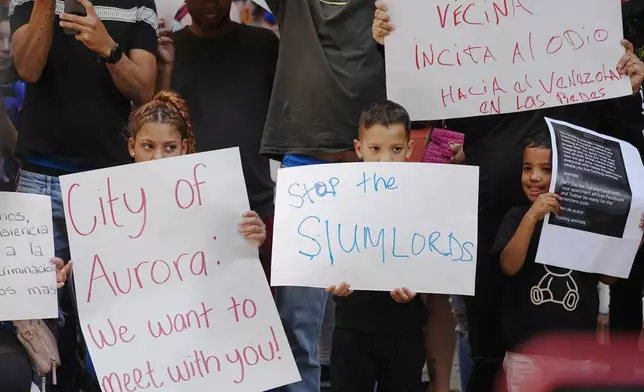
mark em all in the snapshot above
pixel 227 84
pixel 329 71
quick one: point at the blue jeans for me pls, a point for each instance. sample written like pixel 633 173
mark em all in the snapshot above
pixel 302 311
pixel 465 362
pixel 45 185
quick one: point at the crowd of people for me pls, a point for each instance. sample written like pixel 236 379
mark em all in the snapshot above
pixel 115 85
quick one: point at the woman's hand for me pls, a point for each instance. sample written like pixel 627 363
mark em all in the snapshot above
pixel 545 203
pixel 165 45
pixel 403 296
pixel 630 65
pixel 253 228
pixel 381 23
pixel 458 155
pixel 343 290
pixel 62 271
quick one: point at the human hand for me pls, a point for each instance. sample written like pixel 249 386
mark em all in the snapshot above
pixel 343 290
pixel 381 23
pixel 631 66
pixel 90 30
pixel 458 155
pixel 253 228
pixel 403 296
pixel 165 44
pixel 545 203
pixel 62 271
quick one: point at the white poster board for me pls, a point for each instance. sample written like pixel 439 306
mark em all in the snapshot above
pixel 169 293
pixel 449 59
pixel 27 277
pixel 377 226
pixel 601 182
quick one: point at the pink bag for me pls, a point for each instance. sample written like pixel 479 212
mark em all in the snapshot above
pixel 437 150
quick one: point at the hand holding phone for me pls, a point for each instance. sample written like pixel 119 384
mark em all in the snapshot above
pixel 74 7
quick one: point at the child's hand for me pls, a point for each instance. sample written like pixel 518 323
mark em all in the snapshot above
pixel 62 271
pixel 545 203
pixel 343 290
pixel 458 155
pixel 403 296
pixel 253 228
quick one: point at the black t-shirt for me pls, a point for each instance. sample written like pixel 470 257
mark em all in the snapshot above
pixel 227 84
pixel 377 312
pixel 329 71
pixel 542 299
pixel 74 112
pixel 495 144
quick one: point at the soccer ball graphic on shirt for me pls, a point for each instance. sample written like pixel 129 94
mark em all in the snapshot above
pixel 542 293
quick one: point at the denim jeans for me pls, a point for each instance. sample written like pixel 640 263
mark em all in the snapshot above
pixel 40 184
pixel 465 362
pixel 45 185
pixel 302 311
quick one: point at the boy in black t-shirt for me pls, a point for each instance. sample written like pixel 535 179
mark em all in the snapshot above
pixel 378 336
pixel 540 298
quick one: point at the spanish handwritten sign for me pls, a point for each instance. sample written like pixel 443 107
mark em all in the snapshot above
pixel 601 182
pixel 27 278
pixel 170 295
pixel 377 226
pixel 454 58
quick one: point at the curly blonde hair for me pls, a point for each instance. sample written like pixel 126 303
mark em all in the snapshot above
pixel 166 107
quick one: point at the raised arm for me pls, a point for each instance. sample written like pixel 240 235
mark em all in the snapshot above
pixel 514 254
pixel 32 24
pixel 165 57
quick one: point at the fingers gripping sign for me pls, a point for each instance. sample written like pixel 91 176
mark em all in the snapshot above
pixel 630 65
pixel 382 26
pixel 90 30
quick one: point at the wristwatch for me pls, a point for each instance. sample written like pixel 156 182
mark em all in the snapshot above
pixel 114 57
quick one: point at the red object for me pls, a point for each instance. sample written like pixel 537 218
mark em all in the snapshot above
pixel 621 356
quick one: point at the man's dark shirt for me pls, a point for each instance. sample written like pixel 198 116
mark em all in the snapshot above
pixel 329 71
pixel 227 84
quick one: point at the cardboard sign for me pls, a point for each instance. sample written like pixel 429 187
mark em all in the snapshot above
pixel 170 295
pixel 27 278
pixel 601 182
pixel 449 58
pixel 377 226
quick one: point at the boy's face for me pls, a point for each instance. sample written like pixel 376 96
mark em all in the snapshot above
pixel 537 171
pixel 384 144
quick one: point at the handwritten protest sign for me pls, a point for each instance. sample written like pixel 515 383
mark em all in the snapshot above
pixel 449 58
pixel 377 227
pixel 601 182
pixel 27 278
pixel 170 295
